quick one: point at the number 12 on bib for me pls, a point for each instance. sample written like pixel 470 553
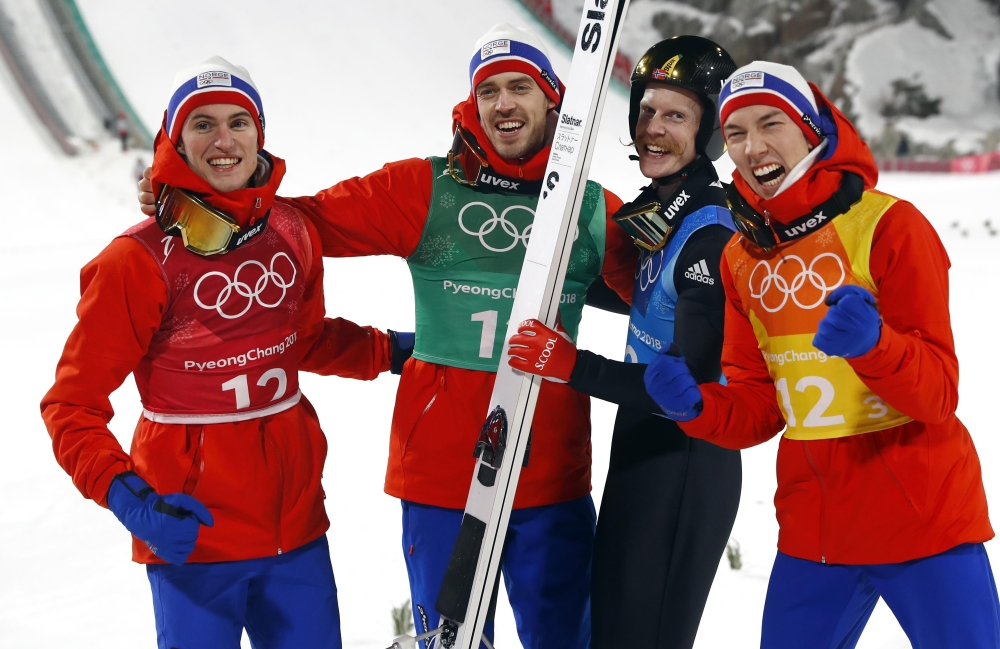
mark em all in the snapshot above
pixel 467 595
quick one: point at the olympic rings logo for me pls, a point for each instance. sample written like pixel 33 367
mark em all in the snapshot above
pixel 772 279
pixel 648 271
pixel 509 229
pixel 490 224
pixel 243 289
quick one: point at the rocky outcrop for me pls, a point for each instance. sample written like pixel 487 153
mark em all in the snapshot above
pixel 927 71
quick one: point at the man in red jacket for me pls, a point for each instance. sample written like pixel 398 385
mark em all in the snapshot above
pixel 214 306
pixel 462 222
pixel 837 331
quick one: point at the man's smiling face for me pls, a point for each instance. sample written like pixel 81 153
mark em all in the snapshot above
pixel 765 145
pixel 513 112
pixel 219 142
pixel 665 133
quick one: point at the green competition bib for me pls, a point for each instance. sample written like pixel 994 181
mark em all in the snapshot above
pixel 466 266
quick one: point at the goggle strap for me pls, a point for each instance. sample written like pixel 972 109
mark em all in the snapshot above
pixel 755 227
pixel 250 235
pixel 166 218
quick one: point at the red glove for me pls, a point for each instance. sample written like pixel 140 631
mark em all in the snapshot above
pixel 536 349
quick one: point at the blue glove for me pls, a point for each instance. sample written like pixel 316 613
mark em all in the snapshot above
pixel 168 525
pixel 852 326
pixel 402 349
pixel 670 384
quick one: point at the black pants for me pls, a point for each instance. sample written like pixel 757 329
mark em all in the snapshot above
pixel 666 515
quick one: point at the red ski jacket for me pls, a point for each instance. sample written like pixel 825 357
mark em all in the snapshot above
pixel 893 495
pixel 440 409
pixel 260 478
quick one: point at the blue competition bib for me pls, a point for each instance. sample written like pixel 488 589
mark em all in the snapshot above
pixel 654 297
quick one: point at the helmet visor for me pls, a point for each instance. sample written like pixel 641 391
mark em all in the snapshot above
pixel 648 229
pixel 204 229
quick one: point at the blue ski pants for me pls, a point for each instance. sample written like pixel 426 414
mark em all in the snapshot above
pixel 545 565
pixel 945 601
pixel 285 602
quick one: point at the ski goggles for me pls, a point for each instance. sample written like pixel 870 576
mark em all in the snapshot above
pixel 205 230
pixel 473 158
pixel 754 226
pixel 758 229
pixel 646 225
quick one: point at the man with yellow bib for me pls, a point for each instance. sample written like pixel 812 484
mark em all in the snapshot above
pixel 838 333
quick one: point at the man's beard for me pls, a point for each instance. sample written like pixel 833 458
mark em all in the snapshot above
pixel 529 143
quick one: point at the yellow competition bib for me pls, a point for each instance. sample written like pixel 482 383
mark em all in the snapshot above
pixel 783 293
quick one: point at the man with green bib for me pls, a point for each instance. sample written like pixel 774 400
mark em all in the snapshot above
pixel 462 222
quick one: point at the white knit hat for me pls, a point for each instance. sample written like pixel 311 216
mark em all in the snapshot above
pixel 773 84
pixel 213 81
pixel 506 48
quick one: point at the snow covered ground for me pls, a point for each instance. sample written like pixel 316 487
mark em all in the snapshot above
pixel 346 87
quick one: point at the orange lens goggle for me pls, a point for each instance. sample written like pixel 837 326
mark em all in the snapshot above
pixel 204 229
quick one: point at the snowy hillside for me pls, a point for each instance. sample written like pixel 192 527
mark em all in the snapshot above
pixel 346 87
pixel 926 68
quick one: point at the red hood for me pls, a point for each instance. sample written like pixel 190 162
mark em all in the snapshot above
pixel 244 205
pixel 850 153
pixel 466 115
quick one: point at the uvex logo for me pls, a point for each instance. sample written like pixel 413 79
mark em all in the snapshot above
pixel 815 221
pixel 552 82
pixel 675 207
pixel 495 181
pixel 811 124
pixel 249 233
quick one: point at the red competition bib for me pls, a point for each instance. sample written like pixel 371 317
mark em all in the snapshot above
pixel 226 347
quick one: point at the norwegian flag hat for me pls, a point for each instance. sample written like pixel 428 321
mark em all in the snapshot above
pixel 213 81
pixel 506 48
pixel 781 86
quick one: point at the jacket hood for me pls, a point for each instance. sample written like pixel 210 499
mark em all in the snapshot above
pixel 466 115
pixel 245 206
pixel 847 153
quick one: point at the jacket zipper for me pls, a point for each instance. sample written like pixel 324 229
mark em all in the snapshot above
pixel 822 501
pixel 281 481
pixel 442 385
pixel 191 482
pixel 892 474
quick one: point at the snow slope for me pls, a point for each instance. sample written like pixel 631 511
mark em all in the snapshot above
pixel 346 87
pixel 960 70
pixel 42 47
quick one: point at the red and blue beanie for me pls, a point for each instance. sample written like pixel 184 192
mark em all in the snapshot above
pixel 783 87
pixel 213 81
pixel 506 48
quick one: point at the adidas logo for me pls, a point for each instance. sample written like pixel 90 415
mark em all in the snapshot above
pixel 699 273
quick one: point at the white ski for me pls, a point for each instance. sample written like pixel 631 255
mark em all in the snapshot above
pixel 467 595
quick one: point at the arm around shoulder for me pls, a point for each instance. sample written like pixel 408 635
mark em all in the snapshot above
pixel 382 213
pixel 335 346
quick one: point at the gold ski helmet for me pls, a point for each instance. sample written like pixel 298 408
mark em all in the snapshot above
pixel 696 64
